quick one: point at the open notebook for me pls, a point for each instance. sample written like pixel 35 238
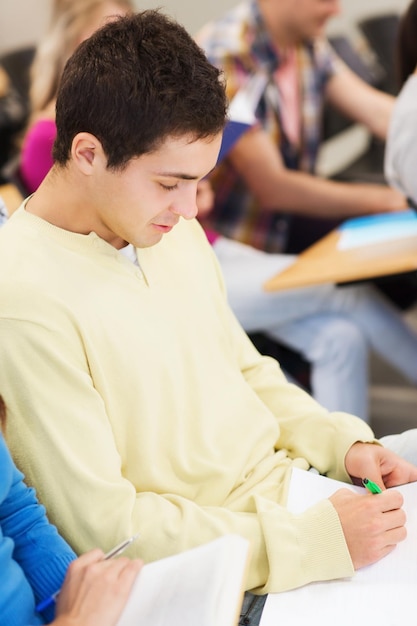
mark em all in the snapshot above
pixel 199 587
pixel 380 594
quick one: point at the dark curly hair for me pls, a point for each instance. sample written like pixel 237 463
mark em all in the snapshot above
pixel 135 82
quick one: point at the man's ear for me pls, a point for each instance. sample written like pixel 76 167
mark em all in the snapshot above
pixel 87 152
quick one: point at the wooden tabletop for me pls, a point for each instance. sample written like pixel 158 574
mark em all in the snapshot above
pixel 11 196
pixel 325 263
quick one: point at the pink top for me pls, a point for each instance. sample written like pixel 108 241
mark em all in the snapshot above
pixel 211 235
pixel 36 155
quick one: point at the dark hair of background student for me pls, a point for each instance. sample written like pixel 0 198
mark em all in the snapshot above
pixel 407 43
pixel 2 414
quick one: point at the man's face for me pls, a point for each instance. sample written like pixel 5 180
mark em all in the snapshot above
pixel 303 20
pixel 146 200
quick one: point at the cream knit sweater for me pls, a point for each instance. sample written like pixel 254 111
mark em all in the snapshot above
pixel 138 404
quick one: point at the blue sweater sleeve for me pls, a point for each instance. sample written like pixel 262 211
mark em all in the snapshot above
pixel 38 548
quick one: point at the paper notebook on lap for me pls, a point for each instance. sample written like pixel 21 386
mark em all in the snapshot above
pixel 381 594
pixel 199 587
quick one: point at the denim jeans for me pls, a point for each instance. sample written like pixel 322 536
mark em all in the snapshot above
pixel 332 327
pixel 251 609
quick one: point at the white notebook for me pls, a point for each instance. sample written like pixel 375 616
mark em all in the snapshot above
pixel 199 587
pixel 382 594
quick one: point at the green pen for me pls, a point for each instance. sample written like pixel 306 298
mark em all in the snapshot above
pixel 371 486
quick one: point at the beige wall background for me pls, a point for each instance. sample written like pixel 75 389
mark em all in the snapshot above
pixel 23 22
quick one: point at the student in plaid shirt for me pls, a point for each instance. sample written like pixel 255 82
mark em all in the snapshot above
pixel 269 173
pixel 280 44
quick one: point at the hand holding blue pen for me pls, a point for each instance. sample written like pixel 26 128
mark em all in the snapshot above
pixel 44 604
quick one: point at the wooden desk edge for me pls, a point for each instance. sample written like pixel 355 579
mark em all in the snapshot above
pixel 325 263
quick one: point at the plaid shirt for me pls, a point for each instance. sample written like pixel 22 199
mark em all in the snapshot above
pixel 240 45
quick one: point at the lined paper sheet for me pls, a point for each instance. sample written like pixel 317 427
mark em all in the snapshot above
pixel 382 594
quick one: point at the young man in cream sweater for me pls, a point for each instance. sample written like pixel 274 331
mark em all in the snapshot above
pixel 137 402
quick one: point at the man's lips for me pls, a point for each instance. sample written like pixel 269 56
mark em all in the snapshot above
pixel 164 228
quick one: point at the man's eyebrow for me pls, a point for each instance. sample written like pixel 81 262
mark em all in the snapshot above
pixel 178 175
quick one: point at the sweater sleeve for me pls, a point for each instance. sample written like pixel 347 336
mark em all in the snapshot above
pixel 299 416
pixel 39 550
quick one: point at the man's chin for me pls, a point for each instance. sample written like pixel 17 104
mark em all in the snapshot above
pixel 316 32
pixel 149 241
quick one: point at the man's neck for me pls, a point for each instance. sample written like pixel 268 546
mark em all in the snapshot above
pixel 65 203
pixel 53 201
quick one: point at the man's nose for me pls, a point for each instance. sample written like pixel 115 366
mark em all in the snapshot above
pixel 186 205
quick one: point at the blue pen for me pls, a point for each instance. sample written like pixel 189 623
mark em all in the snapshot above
pixel 113 552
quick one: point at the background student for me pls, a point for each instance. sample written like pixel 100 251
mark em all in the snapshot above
pixel 270 172
pixel 71 22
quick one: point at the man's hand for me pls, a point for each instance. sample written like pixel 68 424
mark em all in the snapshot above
pixel 372 524
pixel 382 466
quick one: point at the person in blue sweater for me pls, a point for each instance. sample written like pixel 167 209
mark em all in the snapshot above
pixel 35 561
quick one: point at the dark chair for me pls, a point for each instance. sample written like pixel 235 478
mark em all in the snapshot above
pixel 334 122
pixel 369 166
pixel 381 31
pixel 290 361
pixel 17 64
pixel 14 109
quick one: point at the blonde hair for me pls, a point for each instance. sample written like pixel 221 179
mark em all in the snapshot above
pixel 69 20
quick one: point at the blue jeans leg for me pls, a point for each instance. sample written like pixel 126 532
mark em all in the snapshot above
pixel 252 608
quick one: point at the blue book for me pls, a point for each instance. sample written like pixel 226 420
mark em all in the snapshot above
pixel 232 132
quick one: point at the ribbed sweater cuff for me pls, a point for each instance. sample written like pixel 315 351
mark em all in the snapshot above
pixel 309 547
pixel 49 579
